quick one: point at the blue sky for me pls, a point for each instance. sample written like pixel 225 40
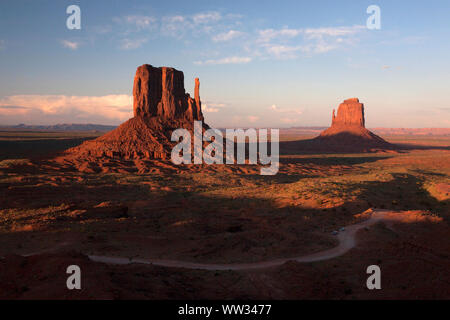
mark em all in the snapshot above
pixel 260 63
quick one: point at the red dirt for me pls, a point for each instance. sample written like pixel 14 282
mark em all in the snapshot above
pixel 161 106
pixel 412 254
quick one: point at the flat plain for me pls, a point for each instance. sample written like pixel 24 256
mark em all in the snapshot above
pixel 53 214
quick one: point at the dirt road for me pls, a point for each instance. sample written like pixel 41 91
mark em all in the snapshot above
pixel 347 240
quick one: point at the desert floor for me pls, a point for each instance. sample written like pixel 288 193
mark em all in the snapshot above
pixel 54 214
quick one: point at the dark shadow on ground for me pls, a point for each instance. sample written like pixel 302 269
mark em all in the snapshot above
pixel 37 148
pixel 236 224
pixel 411 146
pixel 348 145
pixel 335 160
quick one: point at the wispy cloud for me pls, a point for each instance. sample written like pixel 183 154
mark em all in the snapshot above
pixel 72 45
pixel 128 44
pixel 314 33
pixel 275 108
pixel 141 22
pixel 227 36
pixel 207 17
pixel 227 60
pixel 211 107
pixel 214 28
pixel 175 25
pixel 282 51
pixel 109 107
pixel 287 43
pixel 268 35
pixel 136 23
pixel 197 24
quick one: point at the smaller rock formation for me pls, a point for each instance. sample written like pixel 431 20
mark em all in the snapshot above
pixel 348 132
pixel 350 113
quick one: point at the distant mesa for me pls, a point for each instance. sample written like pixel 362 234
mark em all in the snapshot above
pixel 347 134
pixel 348 131
pixel 160 106
pixel 62 127
pixel 350 113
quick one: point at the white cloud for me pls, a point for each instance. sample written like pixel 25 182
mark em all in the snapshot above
pixel 175 25
pixel 288 43
pixel 227 36
pixel 141 22
pixel 228 60
pixel 275 108
pixel 322 40
pixel 268 34
pixel 312 33
pixel 211 107
pixel 283 51
pixel 134 30
pixel 197 24
pixel 109 107
pixel 178 26
pixel 202 18
pixel 136 23
pixel 212 25
pixel 129 44
pixel 207 109
pixel 73 45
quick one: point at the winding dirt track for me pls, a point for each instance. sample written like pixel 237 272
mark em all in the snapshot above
pixel 347 240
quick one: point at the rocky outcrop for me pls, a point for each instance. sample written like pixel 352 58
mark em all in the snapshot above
pixel 348 133
pixel 159 92
pixel 350 113
pixel 161 105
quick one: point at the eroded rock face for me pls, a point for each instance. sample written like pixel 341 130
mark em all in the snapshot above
pixel 161 105
pixel 348 133
pixel 159 92
pixel 350 113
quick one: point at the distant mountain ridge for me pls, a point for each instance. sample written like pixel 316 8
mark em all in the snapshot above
pixel 62 127
pixel 293 130
pixel 379 131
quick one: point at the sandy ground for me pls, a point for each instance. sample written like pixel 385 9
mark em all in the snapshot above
pixel 226 216
pixel 346 237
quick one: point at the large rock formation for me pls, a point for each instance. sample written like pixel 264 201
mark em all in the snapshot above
pixel 348 131
pixel 160 105
pixel 159 92
pixel 350 113
pixel 347 134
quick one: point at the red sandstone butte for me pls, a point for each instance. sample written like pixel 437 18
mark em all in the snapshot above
pixel 159 92
pixel 160 106
pixel 348 132
pixel 350 113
